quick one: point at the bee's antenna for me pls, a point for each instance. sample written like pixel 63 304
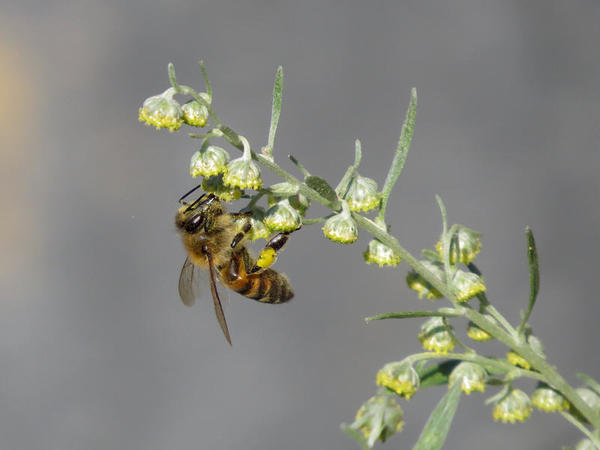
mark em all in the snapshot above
pixel 188 193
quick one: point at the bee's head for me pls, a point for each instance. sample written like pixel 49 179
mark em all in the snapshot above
pixel 192 217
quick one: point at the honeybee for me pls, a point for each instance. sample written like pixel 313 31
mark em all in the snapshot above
pixel 214 240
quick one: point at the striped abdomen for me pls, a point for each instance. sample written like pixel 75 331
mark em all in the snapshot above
pixel 266 286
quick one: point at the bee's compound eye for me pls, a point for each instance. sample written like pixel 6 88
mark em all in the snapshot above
pixel 194 223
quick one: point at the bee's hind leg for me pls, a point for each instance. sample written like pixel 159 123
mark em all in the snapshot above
pixel 268 255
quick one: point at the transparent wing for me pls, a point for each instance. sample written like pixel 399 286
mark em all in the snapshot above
pixel 217 301
pixel 191 281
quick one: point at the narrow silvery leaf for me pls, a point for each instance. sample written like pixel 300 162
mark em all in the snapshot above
pixel 534 277
pixel 436 429
pixel 276 109
pixel 322 187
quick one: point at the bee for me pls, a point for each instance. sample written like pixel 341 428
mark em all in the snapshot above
pixel 214 240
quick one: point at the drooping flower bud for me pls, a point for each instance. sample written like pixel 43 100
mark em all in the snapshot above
pixel 517 360
pixel 195 114
pixel 215 186
pixel 341 227
pixel 471 376
pixel 242 172
pixel 162 111
pixel 422 286
pixel 400 377
pixel 469 244
pixel 258 230
pixel 547 399
pixel 514 406
pixel 209 160
pixel 282 217
pixel 436 335
pixel 379 418
pixel 362 194
pixel 467 285
pixel 379 253
pixel 476 333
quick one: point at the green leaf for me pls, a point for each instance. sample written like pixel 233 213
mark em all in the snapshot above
pixel 356 435
pixel 322 187
pixel 231 136
pixel 411 314
pixel 436 429
pixel 206 81
pixel 284 189
pixel 276 109
pixel 404 142
pixel 436 374
pixel 591 383
pixel 534 278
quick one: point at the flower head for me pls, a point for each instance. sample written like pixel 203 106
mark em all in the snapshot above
pixel 195 114
pixel 209 160
pixel 162 111
pixel 476 333
pixel 242 172
pixel 341 227
pixel 468 285
pixel 379 418
pixel 379 253
pixel 512 407
pixel 258 230
pixel 282 217
pixel 471 376
pixel 436 335
pixel 547 399
pixel 362 194
pixel 400 377
pixel 422 286
pixel 215 186
pixel 517 360
pixel 469 243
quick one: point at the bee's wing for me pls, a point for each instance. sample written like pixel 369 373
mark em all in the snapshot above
pixel 188 283
pixel 216 300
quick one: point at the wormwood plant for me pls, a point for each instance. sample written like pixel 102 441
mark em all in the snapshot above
pixel 446 271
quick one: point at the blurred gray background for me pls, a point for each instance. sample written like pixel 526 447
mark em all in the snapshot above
pixel 97 351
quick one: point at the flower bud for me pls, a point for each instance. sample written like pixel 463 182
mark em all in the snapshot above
pixel 469 244
pixel 513 406
pixel 476 333
pixel 242 172
pixel 282 217
pixel 341 227
pixel 547 399
pixel 162 111
pixel 258 230
pixel 400 377
pixel 467 285
pixel 471 376
pixel 379 418
pixel 362 194
pixel 379 253
pixel 423 287
pixel 436 335
pixel 209 160
pixel 517 360
pixel 214 185
pixel 195 114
